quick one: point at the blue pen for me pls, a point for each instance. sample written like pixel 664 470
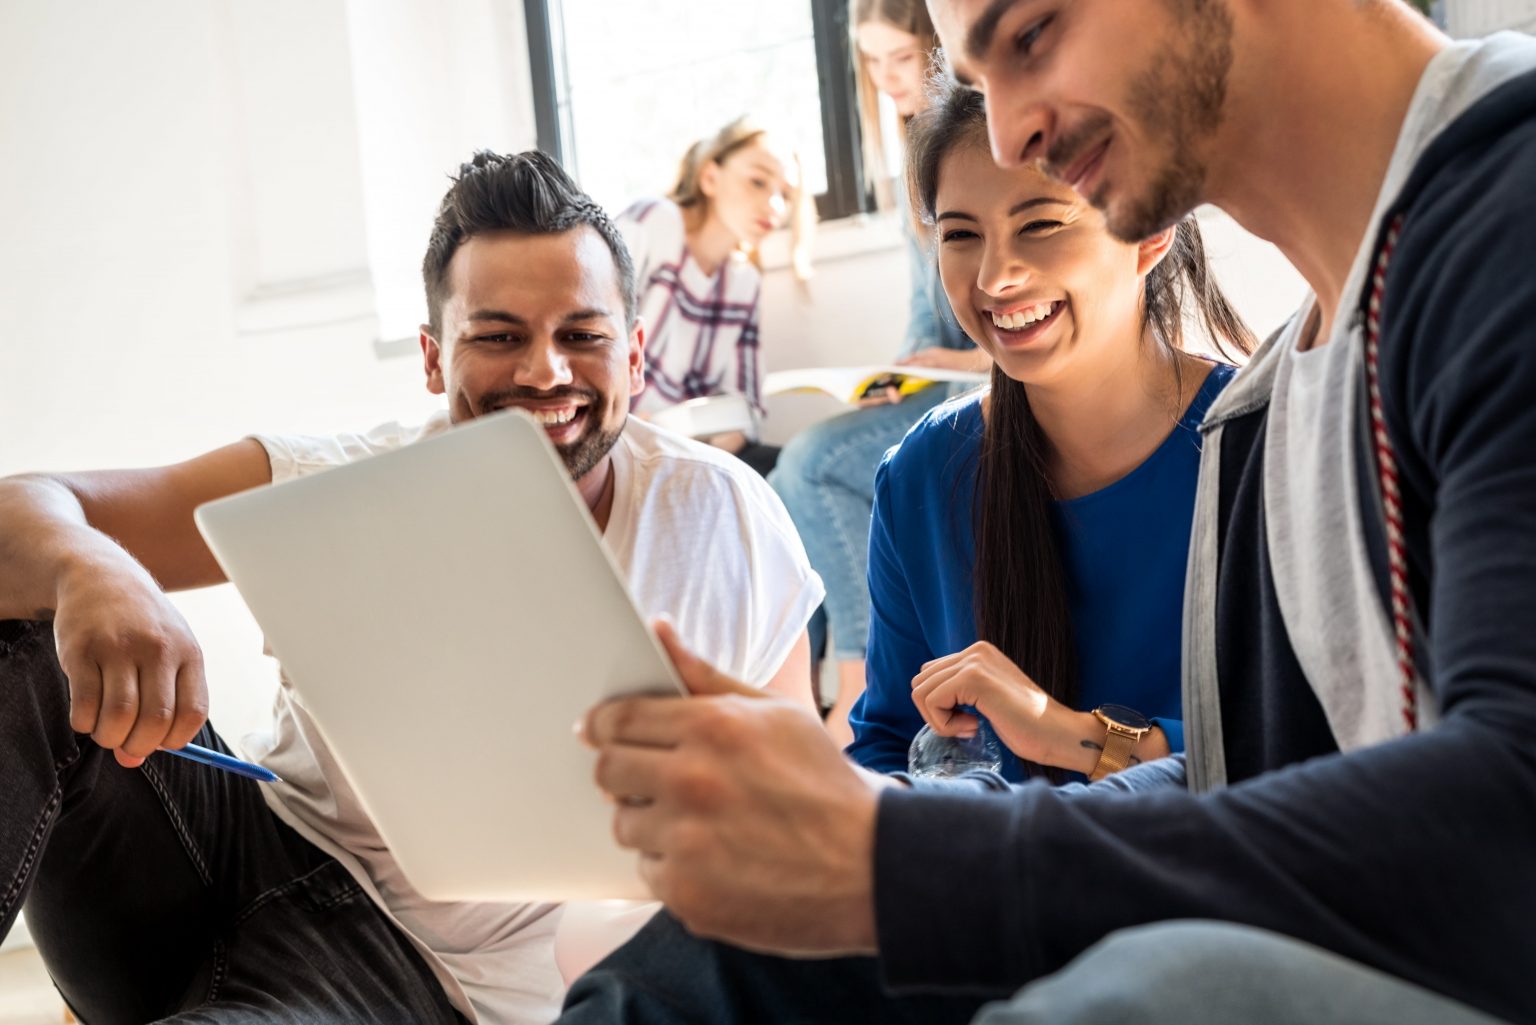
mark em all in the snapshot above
pixel 193 753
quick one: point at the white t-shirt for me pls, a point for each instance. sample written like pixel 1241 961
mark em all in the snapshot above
pixel 701 330
pixel 701 538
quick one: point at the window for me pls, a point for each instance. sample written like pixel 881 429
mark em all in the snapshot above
pixel 622 88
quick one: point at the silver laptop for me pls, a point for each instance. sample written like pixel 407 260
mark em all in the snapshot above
pixel 447 612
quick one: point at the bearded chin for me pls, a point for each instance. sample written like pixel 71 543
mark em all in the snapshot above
pixel 1179 99
pixel 582 455
pixel 1177 191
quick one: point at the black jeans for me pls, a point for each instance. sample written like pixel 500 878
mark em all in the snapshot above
pixel 667 976
pixel 760 457
pixel 171 891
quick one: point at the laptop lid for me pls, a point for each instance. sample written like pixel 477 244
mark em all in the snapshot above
pixel 446 612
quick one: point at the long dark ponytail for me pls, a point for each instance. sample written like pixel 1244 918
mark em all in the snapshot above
pixel 1020 599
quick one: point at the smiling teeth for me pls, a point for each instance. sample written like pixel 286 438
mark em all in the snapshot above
pixel 554 417
pixel 1024 318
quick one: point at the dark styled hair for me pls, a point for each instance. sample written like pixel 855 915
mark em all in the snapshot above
pixel 1020 595
pixel 524 192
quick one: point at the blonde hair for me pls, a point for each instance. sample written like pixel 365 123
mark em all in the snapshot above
pixel 911 17
pixel 688 194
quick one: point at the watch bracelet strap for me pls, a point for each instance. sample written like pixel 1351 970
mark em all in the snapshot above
pixel 1116 754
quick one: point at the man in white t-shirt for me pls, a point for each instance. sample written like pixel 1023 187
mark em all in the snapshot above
pixel 156 886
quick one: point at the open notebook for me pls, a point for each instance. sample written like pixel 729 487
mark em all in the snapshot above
pixel 850 384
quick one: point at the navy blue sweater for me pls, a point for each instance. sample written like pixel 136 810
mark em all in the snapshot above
pixel 1417 856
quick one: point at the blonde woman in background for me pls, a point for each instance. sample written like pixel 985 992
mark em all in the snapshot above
pixel 826 475
pixel 699 275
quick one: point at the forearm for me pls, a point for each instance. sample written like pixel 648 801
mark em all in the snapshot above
pixel 1300 851
pixel 1062 737
pixel 45 540
pixel 1080 744
pixel 95 552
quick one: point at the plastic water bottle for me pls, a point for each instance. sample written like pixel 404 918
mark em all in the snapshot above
pixel 933 756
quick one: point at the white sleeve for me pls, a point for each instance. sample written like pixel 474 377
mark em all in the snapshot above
pixel 784 590
pixel 760 569
pixel 298 455
pixel 636 240
pixel 720 557
pixel 653 233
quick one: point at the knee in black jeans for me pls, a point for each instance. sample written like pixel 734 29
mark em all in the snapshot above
pixel 156 890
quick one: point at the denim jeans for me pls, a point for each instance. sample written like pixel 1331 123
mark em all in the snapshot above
pixel 826 478
pixel 1213 973
pixel 171 892
pixel 1174 973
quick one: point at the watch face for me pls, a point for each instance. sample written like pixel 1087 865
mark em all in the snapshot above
pixel 1127 717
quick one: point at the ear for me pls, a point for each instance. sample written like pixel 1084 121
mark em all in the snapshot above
pixel 1150 252
pixel 432 361
pixel 637 357
pixel 709 178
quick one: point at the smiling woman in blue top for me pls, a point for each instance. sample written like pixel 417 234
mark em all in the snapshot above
pixel 1028 547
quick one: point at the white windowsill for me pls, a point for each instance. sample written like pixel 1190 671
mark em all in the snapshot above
pixel 842 239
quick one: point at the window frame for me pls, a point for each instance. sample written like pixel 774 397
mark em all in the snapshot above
pixel 847 192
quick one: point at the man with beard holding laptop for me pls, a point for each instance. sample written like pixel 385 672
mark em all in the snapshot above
pixel 161 889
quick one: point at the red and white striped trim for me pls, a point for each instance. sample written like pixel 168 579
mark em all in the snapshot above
pixel 1391 497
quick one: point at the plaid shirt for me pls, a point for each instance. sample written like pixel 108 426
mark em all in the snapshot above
pixel 701 329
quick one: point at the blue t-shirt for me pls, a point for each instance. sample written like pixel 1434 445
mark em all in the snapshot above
pixel 1124 550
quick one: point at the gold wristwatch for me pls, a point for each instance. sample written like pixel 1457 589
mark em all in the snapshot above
pixel 1125 727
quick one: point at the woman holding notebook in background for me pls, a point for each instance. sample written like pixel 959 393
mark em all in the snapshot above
pixel 826 474
pixel 696 268
pixel 1028 547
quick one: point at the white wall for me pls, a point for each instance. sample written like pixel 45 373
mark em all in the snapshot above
pixel 1465 18
pixel 434 83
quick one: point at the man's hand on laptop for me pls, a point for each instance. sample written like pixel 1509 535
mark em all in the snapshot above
pixel 135 671
pixel 751 826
